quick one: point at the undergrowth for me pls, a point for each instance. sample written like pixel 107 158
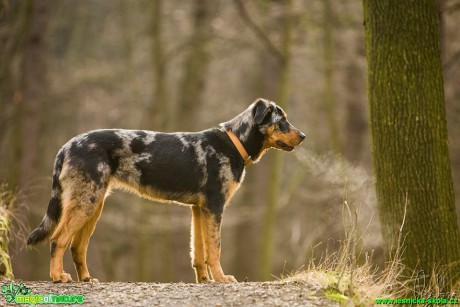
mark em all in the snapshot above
pixel 7 201
pixel 342 279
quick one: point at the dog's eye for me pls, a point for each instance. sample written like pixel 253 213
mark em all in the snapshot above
pixel 283 126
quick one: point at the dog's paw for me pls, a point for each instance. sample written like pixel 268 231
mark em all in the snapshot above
pixel 63 278
pixel 91 280
pixel 226 278
pixel 204 280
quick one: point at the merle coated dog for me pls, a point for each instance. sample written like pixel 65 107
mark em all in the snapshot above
pixel 199 169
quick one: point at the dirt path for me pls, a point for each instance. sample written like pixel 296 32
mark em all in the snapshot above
pixel 181 294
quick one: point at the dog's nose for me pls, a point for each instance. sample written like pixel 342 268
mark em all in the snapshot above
pixel 302 136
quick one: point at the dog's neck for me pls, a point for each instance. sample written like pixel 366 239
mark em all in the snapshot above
pixel 252 142
pixel 248 134
pixel 236 141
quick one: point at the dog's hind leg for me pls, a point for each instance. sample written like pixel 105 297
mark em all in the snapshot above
pixel 81 209
pixel 79 245
pixel 212 222
pixel 71 221
pixel 197 246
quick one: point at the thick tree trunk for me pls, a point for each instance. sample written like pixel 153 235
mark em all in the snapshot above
pixel 410 153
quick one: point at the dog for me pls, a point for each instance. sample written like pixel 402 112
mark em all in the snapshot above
pixel 199 169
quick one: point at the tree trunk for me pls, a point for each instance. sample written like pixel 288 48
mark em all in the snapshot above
pixel 34 89
pixel 13 35
pixel 159 114
pixel 407 112
pixel 277 158
pixel 328 57
pixel 356 114
pixel 196 63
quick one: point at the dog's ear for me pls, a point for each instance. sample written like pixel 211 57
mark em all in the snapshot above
pixel 261 109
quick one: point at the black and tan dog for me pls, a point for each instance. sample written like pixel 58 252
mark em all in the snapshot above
pixel 201 169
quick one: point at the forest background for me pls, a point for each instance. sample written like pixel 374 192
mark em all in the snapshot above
pixel 70 66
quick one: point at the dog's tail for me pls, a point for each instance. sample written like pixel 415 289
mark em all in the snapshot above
pixel 53 214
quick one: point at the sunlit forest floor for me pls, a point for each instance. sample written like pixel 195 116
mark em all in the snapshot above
pixel 185 294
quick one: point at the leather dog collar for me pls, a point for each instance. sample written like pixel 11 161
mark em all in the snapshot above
pixel 244 154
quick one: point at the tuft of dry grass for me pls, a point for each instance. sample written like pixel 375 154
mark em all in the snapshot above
pixel 361 284
pixel 342 279
pixel 7 202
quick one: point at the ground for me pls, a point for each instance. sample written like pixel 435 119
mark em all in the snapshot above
pixel 182 294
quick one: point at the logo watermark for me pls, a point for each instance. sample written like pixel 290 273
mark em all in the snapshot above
pixel 23 295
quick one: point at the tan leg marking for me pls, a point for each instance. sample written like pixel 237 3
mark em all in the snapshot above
pixel 198 247
pixel 79 246
pixel 72 220
pixel 213 249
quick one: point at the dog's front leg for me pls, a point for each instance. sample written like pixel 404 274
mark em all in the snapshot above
pixel 197 246
pixel 211 230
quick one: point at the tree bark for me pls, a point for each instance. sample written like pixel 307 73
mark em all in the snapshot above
pixel 408 123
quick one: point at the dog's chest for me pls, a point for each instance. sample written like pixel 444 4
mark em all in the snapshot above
pixel 232 187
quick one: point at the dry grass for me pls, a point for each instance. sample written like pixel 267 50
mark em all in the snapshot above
pixel 7 202
pixel 343 280
pixel 359 284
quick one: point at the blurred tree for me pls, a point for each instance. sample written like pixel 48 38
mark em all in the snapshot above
pixel 282 62
pixel 159 113
pixel 355 121
pixel 277 158
pixel 31 98
pixel 196 63
pixel 142 235
pixel 408 122
pixel 160 120
pixel 23 95
pixel 6 53
pixel 328 57
pixel 7 203
pixel 13 36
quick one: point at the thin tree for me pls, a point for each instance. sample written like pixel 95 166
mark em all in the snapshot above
pixel 34 85
pixel 407 113
pixel 160 120
pixel 159 113
pixel 268 238
pixel 196 63
pixel 328 58
pixel 283 61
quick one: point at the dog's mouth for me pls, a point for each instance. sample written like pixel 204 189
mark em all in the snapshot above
pixel 284 146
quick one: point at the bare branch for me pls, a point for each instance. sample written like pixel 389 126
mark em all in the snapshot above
pixel 258 31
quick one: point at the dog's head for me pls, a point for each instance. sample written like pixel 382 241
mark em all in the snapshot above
pixel 272 122
pixel 262 126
